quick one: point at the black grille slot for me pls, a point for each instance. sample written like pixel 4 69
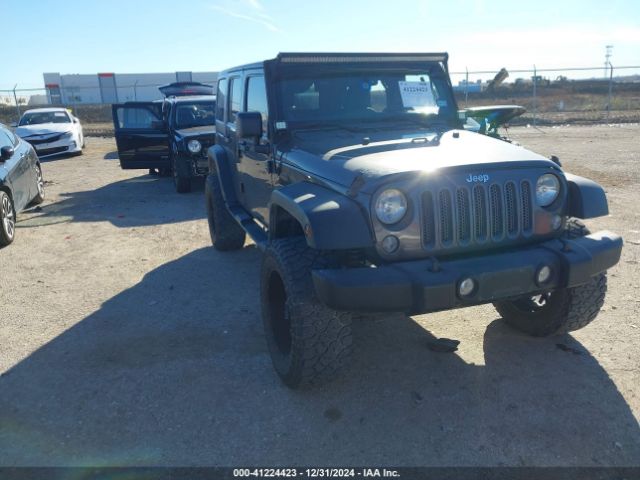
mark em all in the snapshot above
pixel 480 212
pixel 39 141
pixel 511 208
pixel 464 215
pixel 428 227
pixel 497 224
pixel 461 217
pixel 525 202
pixel 446 217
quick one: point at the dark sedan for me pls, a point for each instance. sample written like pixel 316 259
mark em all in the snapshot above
pixel 21 183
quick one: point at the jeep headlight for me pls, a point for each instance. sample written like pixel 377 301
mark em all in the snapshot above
pixel 391 206
pixel 547 189
pixel 194 146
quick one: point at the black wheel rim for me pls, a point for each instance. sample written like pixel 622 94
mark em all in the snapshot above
pixel 8 217
pixel 280 321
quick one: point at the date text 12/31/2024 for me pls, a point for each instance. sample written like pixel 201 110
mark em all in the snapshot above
pixel 315 473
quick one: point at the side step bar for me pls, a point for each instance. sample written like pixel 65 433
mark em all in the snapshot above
pixel 253 229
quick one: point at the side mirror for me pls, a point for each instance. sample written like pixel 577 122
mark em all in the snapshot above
pixel 249 125
pixel 75 120
pixel 6 153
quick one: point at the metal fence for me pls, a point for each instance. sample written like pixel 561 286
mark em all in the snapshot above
pixel 553 90
pixel 605 93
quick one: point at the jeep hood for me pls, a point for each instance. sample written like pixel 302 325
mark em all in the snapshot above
pixel 209 130
pixel 422 155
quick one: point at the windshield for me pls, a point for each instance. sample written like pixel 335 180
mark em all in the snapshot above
pixel 195 114
pixel 35 118
pixel 414 96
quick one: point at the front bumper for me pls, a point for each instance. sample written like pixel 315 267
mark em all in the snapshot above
pixel 64 145
pixel 192 166
pixel 425 286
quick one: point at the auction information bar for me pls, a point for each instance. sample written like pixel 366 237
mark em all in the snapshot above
pixel 222 473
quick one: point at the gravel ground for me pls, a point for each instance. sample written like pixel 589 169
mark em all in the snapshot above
pixel 125 339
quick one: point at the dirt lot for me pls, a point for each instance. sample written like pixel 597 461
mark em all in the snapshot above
pixel 126 340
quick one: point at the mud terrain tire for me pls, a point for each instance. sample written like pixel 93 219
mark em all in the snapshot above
pixel 309 342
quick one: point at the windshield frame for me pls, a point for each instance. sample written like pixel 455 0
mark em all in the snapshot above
pixel 177 105
pixel 436 71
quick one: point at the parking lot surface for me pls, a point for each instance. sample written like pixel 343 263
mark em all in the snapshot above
pixel 125 339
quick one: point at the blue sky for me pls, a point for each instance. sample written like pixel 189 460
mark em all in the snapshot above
pixel 132 36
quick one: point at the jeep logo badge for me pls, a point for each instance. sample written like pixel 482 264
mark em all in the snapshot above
pixel 478 178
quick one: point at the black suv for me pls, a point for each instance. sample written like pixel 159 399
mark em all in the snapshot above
pixel 170 135
pixel 354 174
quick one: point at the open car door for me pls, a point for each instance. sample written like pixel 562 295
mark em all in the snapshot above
pixel 141 135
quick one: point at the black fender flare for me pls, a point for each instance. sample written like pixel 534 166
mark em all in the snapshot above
pixel 219 162
pixel 587 199
pixel 329 220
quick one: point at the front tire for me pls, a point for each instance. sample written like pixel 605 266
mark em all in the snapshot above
pixel 560 311
pixel 7 219
pixel 183 184
pixel 225 232
pixel 309 342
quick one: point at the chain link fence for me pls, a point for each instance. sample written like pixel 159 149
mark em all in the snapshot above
pixel 557 95
pixel 551 96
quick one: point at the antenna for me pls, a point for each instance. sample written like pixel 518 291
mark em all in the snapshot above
pixel 607 56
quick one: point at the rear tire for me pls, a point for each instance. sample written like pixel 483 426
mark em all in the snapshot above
pixel 7 219
pixel 309 342
pixel 225 232
pixel 560 311
pixel 39 198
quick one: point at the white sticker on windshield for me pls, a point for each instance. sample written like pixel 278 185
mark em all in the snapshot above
pixel 416 94
pixel 59 114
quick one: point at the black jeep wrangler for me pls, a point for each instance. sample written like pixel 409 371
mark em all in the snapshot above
pixel 170 135
pixel 354 174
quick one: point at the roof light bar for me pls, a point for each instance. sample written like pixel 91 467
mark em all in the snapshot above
pixel 361 58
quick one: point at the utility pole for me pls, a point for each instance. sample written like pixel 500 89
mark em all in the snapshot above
pixel 15 99
pixel 607 56
pixel 535 101
pixel 466 87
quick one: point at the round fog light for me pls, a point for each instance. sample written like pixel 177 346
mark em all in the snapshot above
pixel 543 275
pixel 466 287
pixel 390 244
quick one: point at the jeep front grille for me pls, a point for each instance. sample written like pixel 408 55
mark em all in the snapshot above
pixel 481 214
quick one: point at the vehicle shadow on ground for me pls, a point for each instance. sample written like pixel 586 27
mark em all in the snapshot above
pixel 111 155
pixel 58 156
pixel 139 201
pixel 175 371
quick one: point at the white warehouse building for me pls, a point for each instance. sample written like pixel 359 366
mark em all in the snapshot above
pixel 115 88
